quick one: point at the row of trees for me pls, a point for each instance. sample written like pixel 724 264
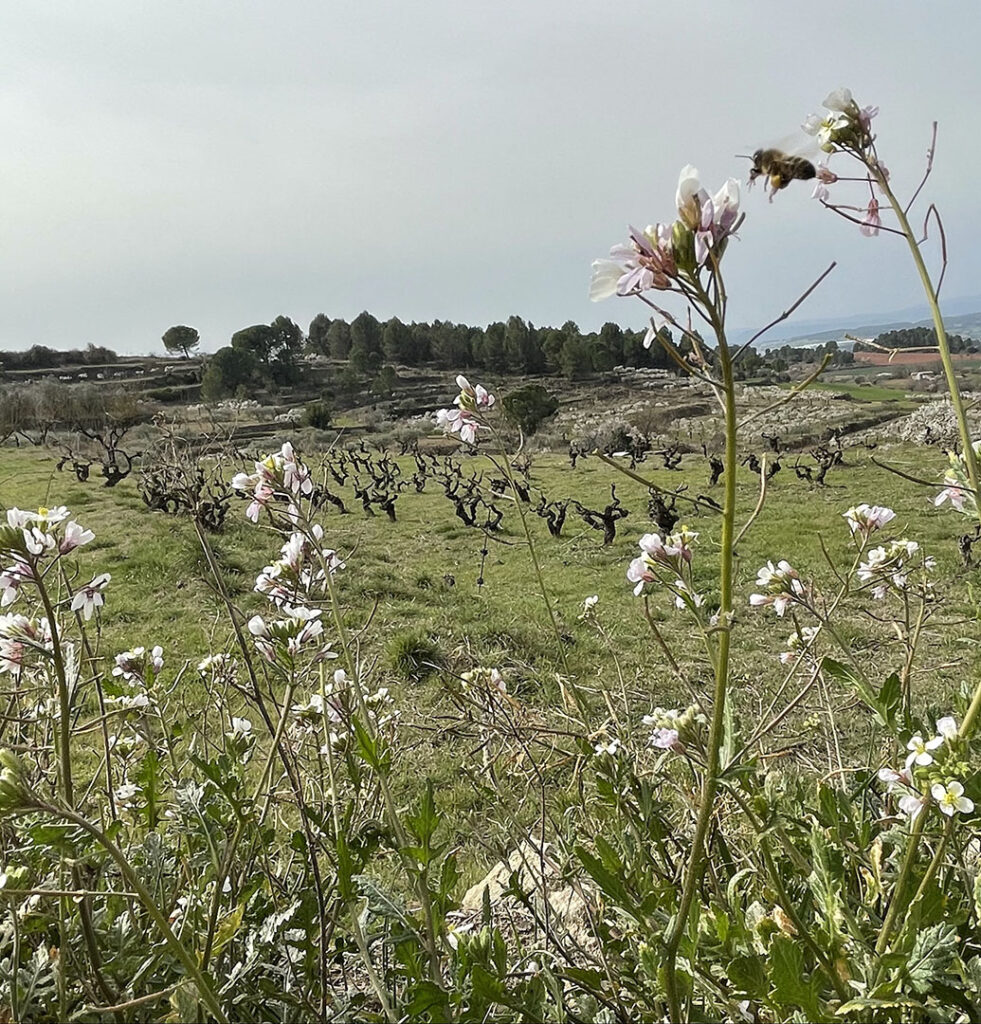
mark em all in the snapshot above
pixel 785 356
pixel 918 337
pixel 268 354
pixel 514 346
pixel 40 357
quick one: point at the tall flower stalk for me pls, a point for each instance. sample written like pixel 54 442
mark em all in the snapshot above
pixel 847 128
pixel 684 258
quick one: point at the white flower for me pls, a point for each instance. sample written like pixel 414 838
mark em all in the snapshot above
pixel 611 747
pixel 867 518
pixel 241 728
pixel 947 727
pixel 126 792
pixel 74 537
pixel 911 804
pixel 603 283
pixel 920 750
pixel 90 597
pixel 686 197
pixel 950 798
pixel 840 99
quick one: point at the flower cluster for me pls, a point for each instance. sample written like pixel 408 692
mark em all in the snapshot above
pixel 465 418
pixel 957 485
pixel 484 679
pixel 672 553
pixel 137 666
pixel 923 778
pixel 332 707
pixel 133 673
pixel 279 474
pixel 675 730
pixel 888 568
pixel 299 569
pixel 29 537
pixel 282 640
pixel 217 668
pixel 658 256
pixel 19 635
pixel 781 586
pixel 865 519
pixel 845 126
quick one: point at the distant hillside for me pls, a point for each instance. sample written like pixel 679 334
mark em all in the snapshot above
pixel 967 325
pixel 960 315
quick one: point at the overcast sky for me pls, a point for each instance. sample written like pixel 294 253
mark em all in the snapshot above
pixel 218 164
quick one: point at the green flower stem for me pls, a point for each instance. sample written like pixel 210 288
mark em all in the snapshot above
pixel 225 867
pixel 897 903
pixel 201 982
pixel 710 779
pixel 67 785
pixel 359 937
pixel 540 577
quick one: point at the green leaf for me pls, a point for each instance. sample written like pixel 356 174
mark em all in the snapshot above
pixel 866 1003
pixel 787 973
pixel 610 883
pixel 932 957
pixel 889 699
pixel 847 675
pixel 228 927
pixel 748 974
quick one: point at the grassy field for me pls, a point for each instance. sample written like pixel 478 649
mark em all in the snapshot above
pixel 411 586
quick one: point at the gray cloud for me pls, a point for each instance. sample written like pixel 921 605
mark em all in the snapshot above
pixel 221 163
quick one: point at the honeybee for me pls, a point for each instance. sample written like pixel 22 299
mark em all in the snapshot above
pixel 780 168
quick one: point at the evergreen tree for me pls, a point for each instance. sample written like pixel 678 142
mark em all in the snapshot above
pixel 397 342
pixel 339 339
pixel 317 334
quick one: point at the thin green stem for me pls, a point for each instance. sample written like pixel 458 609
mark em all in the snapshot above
pixel 201 982
pixel 710 780
pixel 897 903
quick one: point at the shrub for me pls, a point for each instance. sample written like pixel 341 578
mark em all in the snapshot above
pixel 413 656
pixel 317 414
pixel 529 407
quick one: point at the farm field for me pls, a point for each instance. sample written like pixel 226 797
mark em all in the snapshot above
pixel 410 591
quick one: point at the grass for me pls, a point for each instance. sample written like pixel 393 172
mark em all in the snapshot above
pixel 413 583
pixel 861 392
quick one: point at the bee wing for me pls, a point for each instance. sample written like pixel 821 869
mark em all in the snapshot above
pixel 798 143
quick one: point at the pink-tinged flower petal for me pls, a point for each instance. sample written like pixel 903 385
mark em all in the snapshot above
pixel 872 222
